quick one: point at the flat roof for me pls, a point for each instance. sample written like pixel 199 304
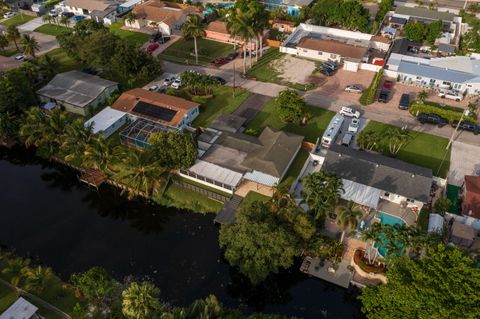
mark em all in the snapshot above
pixel 104 119
pixel 434 72
pixel 425 13
pixel 20 309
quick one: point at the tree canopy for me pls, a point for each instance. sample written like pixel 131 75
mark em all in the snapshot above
pixel 16 92
pixel 423 33
pixel 443 284
pixel 174 150
pixel 291 106
pixel 349 14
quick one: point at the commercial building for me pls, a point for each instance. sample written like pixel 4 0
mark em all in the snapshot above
pixel 77 92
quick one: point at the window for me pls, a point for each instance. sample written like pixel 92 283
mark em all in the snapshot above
pixel 387 194
pixel 419 78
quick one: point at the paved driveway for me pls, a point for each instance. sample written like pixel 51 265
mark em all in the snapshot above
pixel 31 25
pixel 463 161
pixel 8 63
pixel 46 42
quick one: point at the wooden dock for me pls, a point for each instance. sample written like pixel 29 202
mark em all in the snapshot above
pixel 93 177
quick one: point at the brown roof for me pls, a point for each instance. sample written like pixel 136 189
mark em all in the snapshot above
pixel 379 38
pixel 463 231
pixel 128 100
pixel 471 197
pixel 290 23
pixel 89 4
pixel 217 26
pixel 332 46
pixel 161 11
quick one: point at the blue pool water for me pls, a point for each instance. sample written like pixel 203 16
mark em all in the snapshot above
pixel 387 219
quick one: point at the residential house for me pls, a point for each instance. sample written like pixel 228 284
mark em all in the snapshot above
pixel 103 11
pixel 292 7
pixel 226 159
pixel 355 50
pixel 470 194
pixel 77 92
pixel 217 31
pixel 460 73
pixel 160 16
pixel 129 5
pixel 107 121
pixel 462 234
pixel 282 25
pixel 21 309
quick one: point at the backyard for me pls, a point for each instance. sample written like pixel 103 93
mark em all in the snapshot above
pixel 182 51
pixel 136 38
pixel 268 116
pixel 423 149
pixel 51 29
pixel 17 20
pixel 65 63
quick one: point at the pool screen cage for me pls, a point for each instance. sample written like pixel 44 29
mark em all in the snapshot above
pixel 138 132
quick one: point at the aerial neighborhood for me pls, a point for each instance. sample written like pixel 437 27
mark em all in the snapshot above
pixel 239 159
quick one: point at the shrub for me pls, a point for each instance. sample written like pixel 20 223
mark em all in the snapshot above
pixel 368 96
pixel 448 112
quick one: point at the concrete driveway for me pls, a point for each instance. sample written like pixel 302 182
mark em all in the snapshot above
pixel 463 161
pixel 8 63
pixel 46 42
pixel 31 25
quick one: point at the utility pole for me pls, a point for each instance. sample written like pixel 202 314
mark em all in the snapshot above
pixel 455 131
pixel 233 88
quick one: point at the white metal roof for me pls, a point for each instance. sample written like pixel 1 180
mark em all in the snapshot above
pixel 104 119
pixel 361 194
pixel 130 3
pixel 217 173
pixel 435 223
pixel 262 178
pixel 20 309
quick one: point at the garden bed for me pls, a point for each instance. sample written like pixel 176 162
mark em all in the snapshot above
pixel 362 262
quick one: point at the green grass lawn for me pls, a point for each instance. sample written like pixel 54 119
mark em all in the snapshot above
pixel 312 130
pixel 7 297
pixel 66 63
pixel 52 29
pixel 182 51
pixel 9 52
pixel 222 102
pixel 422 221
pixel 135 38
pixel 17 20
pixel 252 197
pixel 295 168
pixel 423 150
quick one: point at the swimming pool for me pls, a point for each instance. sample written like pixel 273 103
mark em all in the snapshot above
pixel 387 219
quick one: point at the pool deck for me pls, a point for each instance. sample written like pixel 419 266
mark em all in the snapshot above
pixel 405 214
pixel 336 274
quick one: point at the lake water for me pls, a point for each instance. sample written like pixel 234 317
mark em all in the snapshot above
pixel 45 213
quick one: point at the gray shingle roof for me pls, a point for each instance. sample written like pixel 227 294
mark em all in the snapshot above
pixel 385 173
pixel 75 87
pixel 437 73
pixel 398 20
pixel 425 13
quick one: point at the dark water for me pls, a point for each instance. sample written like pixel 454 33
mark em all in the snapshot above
pixel 46 213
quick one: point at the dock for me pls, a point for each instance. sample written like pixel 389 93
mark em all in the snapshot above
pixel 93 177
pixel 227 215
pixel 338 274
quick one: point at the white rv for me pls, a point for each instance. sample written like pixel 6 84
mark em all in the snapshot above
pixel 332 130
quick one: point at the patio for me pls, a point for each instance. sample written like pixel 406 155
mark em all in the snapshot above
pixel 339 274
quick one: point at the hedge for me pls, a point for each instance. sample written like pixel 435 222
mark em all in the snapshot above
pixel 448 112
pixel 368 96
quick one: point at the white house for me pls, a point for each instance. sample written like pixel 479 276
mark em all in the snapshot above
pixel 103 11
pixel 107 121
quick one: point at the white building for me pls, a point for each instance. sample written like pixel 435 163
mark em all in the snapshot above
pixel 107 121
pixel 103 11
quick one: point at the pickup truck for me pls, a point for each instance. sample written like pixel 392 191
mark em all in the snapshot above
pixel 451 95
pixel 432 119
pixel 385 92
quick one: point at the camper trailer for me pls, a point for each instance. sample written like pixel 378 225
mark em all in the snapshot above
pixel 332 130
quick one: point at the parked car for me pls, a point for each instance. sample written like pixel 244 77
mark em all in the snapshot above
pixel 349 112
pixel 432 118
pixel 451 95
pixel 347 139
pixel 220 80
pixel 385 92
pixel 20 57
pixel 388 84
pixel 9 14
pixel 354 88
pixel 232 56
pixel 153 88
pixel 467 126
pixel 152 47
pixel 219 61
pixel 330 64
pixel 176 84
pixel 154 37
pixel 163 40
pixel 326 72
pixel 168 81
pixel 404 102
pixel 67 14
pixel 354 126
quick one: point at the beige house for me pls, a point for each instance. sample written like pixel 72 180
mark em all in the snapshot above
pixel 159 15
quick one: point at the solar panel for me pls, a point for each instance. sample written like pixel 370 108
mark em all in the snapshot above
pixel 154 111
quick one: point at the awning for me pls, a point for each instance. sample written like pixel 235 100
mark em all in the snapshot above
pixel 216 173
pixel 361 194
pixel 261 178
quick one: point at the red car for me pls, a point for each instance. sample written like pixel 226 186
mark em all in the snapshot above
pixel 387 84
pixel 219 61
pixel 152 47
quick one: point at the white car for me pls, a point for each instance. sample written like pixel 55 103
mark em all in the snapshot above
pixel 176 84
pixel 354 125
pixel 168 81
pixel 451 95
pixel 153 88
pixel 9 15
pixel 354 88
pixel 349 112
pixel 20 57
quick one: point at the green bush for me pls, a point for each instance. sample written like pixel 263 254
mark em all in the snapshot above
pixel 368 96
pixel 448 112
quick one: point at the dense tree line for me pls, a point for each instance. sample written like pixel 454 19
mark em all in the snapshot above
pixel 349 14
pixel 423 33
pixel 95 46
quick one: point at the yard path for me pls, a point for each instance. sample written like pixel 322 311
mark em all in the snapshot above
pixel 380 113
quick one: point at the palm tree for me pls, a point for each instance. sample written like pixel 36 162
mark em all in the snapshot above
pixel 65 20
pixel 15 270
pixel 3 42
pixel 368 140
pixel 30 45
pixel 13 35
pixel 48 65
pixel 76 139
pixel 348 217
pixel 335 251
pixel 194 28
pixel 140 300
pixel 47 18
pixel 397 138
pixel 421 96
pixel 245 31
pixel 99 154
pixel 38 278
pixel 232 26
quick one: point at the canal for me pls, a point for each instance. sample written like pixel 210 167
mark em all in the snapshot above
pixel 45 213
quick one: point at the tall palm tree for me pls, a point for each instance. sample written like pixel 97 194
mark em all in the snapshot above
pixel 65 20
pixel 232 26
pixel 371 235
pixel 13 35
pixel 47 18
pixel 397 138
pixel 193 28
pixel 15 270
pixel 140 300
pixel 99 154
pixel 76 140
pixel 243 25
pixel 348 217
pixel 30 45
pixel 3 43
pixel 37 278
pixel 47 65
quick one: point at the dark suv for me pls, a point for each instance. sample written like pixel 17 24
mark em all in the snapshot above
pixel 404 102
pixel 432 119
pixel 467 126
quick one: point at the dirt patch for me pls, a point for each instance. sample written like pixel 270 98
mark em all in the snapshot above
pixel 294 70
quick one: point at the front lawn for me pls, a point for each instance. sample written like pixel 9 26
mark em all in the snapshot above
pixel 65 62
pixel 423 149
pixel 136 38
pixel 9 52
pixel 182 51
pixel 52 29
pixel 17 20
pixel 268 116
